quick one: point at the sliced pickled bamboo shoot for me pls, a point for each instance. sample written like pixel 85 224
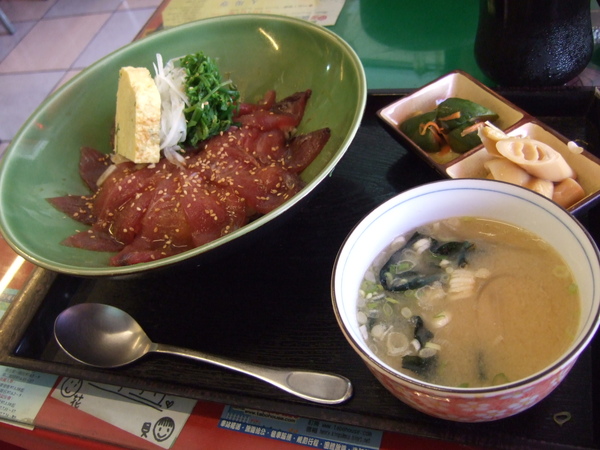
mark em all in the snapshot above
pixel 541 186
pixel 489 136
pixel 502 169
pixel 568 192
pixel 537 158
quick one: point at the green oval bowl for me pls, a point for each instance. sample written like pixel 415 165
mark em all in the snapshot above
pixel 260 52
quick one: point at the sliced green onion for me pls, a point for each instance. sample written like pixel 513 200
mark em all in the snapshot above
pixel 561 271
pixel 427 352
pixel 378 331
pixel 396 344
pixel 361 317
pixel 573 288
pixel 562 417
pixel 499 378
pixel 369 287
pixel 410 293
pixel 401 266
pixel 387 309
pixel 433 345
pixel 416 344
pixel 406 312
pixel 440 320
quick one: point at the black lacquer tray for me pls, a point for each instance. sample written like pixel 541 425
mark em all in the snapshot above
pixel 270 303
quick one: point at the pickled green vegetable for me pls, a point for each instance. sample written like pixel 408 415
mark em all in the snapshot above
pixel 452 124
pixel 458 112
pixel 463 138
pixel 422 130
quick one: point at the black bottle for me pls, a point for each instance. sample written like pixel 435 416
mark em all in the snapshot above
pixel 533 42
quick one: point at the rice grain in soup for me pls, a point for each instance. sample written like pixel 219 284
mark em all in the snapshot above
pixel 469 302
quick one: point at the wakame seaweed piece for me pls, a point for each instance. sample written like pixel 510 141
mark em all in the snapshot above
pixel 421 366
pixel 453 249
pixel 405 280
pixel 423 131
pixel 421 334
pixel 455 112
pixel 409 280
pixel 464 138
pixel 371 321
pixel 398 256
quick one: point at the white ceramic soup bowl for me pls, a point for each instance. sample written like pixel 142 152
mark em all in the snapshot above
pixel 475 198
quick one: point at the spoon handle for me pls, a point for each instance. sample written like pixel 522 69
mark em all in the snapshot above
pixel 325 388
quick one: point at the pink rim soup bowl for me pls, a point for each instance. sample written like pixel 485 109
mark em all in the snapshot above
pixel 475 198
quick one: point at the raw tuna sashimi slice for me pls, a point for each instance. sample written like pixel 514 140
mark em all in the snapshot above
pixel 294 105
pixel 123 185
pixel 93 239
pixel 211 211
pixel 92 164
pixel 304 148
pixel 272 186
pixel 284 115
pixel 267 102
pixel 78 207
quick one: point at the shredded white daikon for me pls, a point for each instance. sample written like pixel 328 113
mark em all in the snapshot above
pixel 174 157
pixel 102 178
pixel 170 81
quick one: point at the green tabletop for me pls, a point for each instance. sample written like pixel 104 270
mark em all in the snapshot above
pixel 408 43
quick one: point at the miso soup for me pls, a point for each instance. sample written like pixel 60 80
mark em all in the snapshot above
pixel 469 302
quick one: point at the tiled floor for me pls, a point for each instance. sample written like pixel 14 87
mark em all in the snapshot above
pixel 53 41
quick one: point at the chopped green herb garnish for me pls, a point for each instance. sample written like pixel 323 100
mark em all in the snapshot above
pixel 212 101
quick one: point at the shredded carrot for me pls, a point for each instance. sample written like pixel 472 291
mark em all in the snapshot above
pixel 423 127
pixel 471 128
pixel 454 115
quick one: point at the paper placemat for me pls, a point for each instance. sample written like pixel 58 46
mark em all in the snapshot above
pixel 322 12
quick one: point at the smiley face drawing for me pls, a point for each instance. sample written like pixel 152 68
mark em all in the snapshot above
pixel 163 429
pixel 70 387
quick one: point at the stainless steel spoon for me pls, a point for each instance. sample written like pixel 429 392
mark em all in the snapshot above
pixel 104 336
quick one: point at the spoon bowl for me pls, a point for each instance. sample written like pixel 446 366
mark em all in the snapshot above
pixel 104 336
pixel 101 335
